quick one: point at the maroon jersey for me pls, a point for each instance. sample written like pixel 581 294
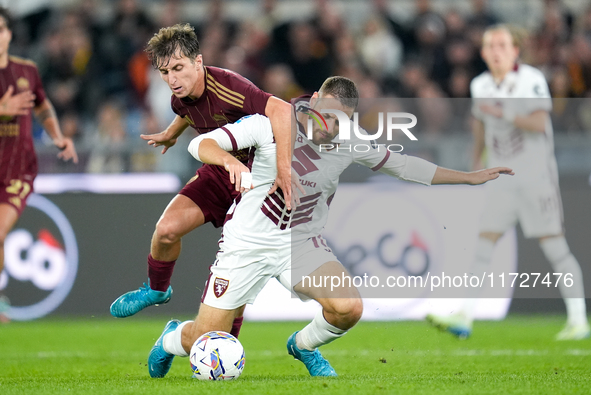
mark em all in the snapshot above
pixel 227 98
pixel 17 152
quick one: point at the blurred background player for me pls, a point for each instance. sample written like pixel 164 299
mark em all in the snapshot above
pixel 21 94
pixel 516 130
pixel 205 98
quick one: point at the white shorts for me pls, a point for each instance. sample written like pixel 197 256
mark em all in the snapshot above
pixel 306 258
pixel 237 276
pixel 537 208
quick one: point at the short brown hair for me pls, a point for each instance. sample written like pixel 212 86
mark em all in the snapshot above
pixel 4 13
pixel 341 88
pixel 164 44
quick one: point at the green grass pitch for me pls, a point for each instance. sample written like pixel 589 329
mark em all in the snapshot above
pixel 108 356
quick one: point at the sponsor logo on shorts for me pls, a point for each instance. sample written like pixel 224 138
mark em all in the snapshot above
pixel 220 286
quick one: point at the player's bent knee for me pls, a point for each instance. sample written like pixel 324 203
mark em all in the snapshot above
pixel 357 310
pixel 166 232
pixel 349 309
pixel 555 248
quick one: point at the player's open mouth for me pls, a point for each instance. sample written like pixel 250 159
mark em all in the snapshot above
pixel 178 89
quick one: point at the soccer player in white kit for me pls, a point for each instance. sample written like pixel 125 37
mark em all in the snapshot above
pixel 511 106
pixel 261 239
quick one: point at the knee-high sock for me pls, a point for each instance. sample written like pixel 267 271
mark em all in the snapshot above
pixel 563 261
pixel 236 325
pixel 172 342
pixel 159 273
pixel 317 333
pixel 483 254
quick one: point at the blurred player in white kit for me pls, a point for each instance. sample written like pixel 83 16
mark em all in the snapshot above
pixel 261 239
pixel 511 106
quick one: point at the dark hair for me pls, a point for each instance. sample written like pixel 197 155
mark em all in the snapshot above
pixel 341 88
pixel 4 13
pixel 164 44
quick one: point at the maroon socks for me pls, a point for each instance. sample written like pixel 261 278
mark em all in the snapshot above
pixel 236 325
pixel 159 273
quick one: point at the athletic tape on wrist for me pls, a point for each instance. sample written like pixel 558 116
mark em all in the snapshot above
pixel 245 180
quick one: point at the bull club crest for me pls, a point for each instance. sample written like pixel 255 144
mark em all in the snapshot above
pixel 220 286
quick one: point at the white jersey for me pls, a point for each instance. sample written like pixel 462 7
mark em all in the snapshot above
pixel 522 92
pixel 257 218
pixel 319 170
pixel 247 222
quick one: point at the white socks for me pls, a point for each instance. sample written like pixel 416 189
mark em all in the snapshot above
pixel 482 257
pixel 172 343
pixel 317 333
pixel 562 261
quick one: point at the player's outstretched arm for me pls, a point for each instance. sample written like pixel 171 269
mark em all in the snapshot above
pixel 168 137
pixel 279 113
pixel 447 176
pixel 46 116
pixel 19 104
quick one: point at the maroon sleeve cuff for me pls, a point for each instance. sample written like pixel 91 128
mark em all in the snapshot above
pixel 232 139
pixel 382 163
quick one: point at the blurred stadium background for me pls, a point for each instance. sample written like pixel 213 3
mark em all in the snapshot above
pixel 91 59
pixel 90 54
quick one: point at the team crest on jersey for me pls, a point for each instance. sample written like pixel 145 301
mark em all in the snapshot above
pixel 23 84
pixel 220 286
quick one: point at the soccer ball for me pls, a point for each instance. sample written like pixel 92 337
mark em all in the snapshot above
pixel 217 355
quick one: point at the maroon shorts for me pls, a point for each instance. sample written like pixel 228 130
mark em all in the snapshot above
pixel 212 191
pixel 15 193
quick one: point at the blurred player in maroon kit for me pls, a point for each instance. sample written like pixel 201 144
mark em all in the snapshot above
pixel 21 92
pixel 205 98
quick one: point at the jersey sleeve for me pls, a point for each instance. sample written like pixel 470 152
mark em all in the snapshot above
pixel 253 99
pixel 409 168
pixel 38 90
pixel 415 170
pixel 249 131
pixel 177 108
pixel 538 94
pixel 372 155
pixel 378 158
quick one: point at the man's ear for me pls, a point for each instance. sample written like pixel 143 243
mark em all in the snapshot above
pixel 313 99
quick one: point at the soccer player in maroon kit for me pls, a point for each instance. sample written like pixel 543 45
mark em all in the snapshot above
pixel 21 91
pixel 205 98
